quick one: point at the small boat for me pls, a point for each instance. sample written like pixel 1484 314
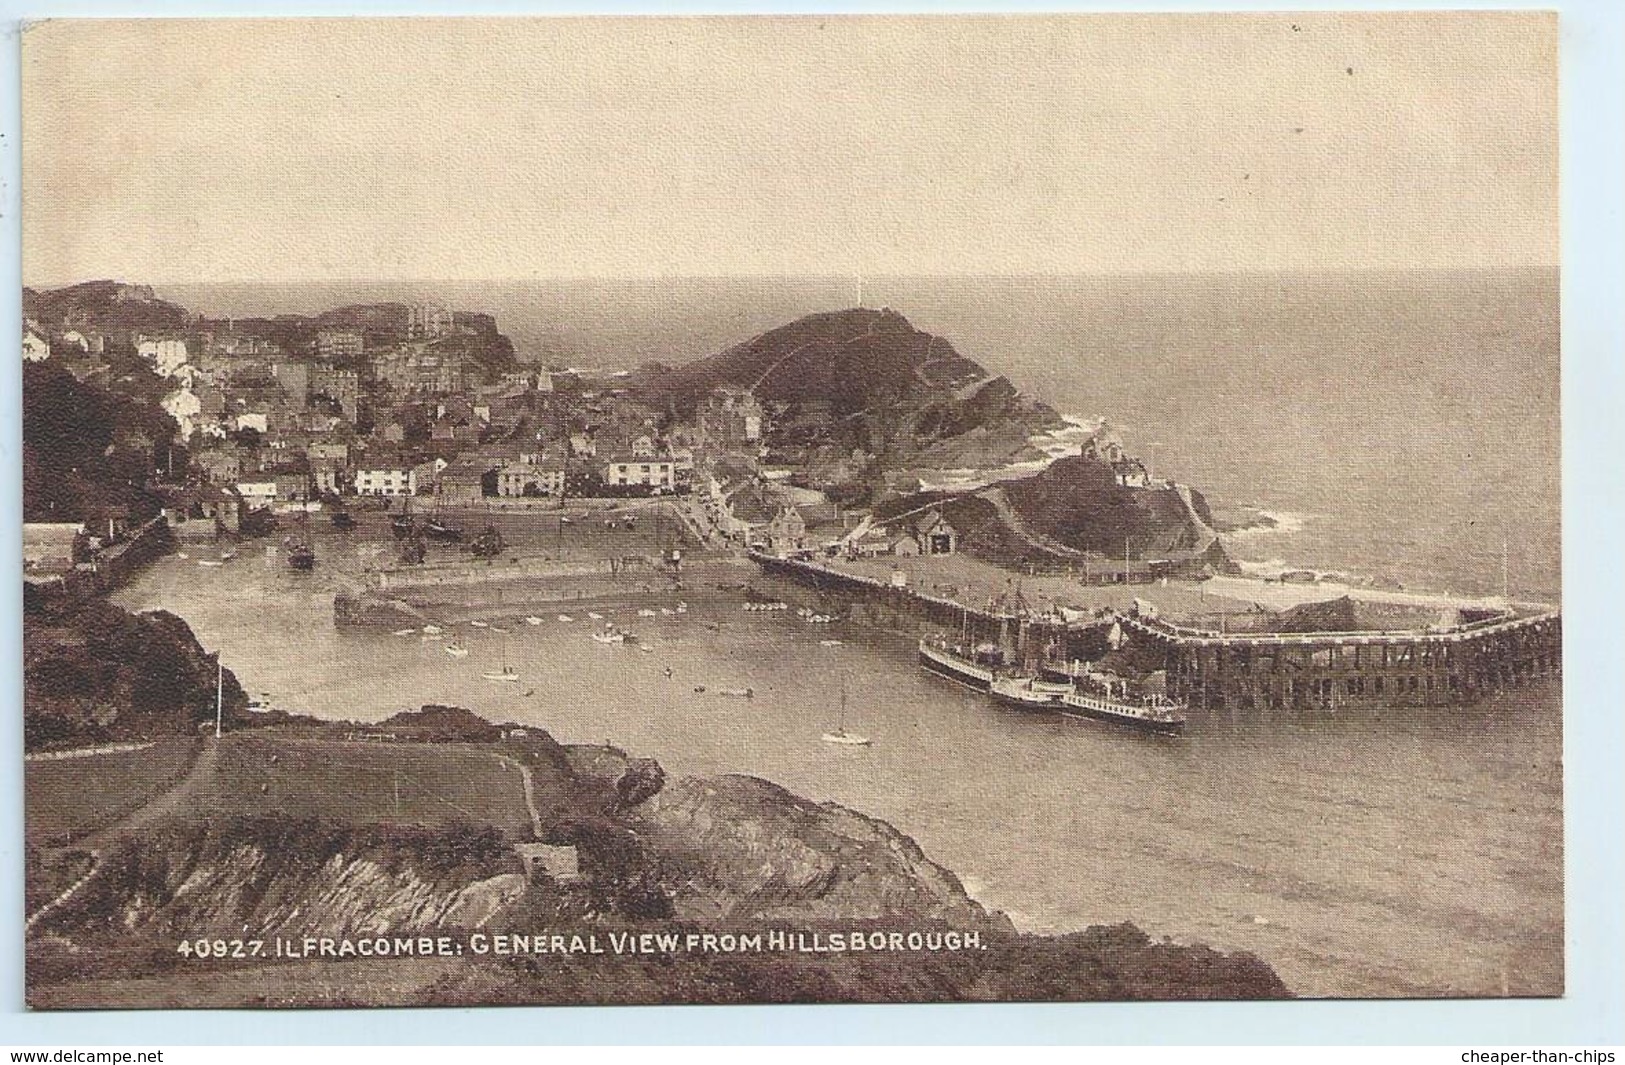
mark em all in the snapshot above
pixel 432 630
pixel 227 556
pixel 737 693
pixel 406 632
pixel 840 735
pixel 647 648
pixel 441 532
pixel 499 628
pixel 456 650
pixel 595 616
pixel 262 705
pixel 566 617
pixel 829 643
pixel 682 608
pixel 610 635
pixel 480 624
pixel 646 613
pixel 667 611
pixel 210 562
pixel 533 620
pixel 182 554
pixel 507 675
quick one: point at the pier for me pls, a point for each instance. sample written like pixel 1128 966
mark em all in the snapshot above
pixel 1242 671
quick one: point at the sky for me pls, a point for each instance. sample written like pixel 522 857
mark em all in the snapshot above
pixel 503 149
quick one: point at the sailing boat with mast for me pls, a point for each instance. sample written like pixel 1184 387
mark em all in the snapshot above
pixel 507 675
pixel 840 735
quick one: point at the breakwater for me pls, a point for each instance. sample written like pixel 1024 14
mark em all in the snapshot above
pixel 1333 670
pixel 107 570
pixel 400 595
pixel 1441 665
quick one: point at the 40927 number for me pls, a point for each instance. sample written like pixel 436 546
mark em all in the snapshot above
pixel 221 948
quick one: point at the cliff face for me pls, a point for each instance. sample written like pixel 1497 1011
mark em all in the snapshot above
pixel 701 855
pixel 753 851
pixel 96 673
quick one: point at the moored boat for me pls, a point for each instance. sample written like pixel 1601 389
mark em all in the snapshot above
pixel 972 669
pixel 1153 713
pixel 1028 692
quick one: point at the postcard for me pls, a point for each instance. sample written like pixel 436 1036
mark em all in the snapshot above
pixel 827 508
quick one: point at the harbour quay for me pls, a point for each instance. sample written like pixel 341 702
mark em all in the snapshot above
pixel 1222 653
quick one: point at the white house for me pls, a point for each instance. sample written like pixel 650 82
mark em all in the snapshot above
pixel 386 481
pixel 658 473
pixel 35 347
pixel 184 406
pixel 166 355
pixel 255 420
pixel 257 494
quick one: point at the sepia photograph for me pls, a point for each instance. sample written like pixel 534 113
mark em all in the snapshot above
pixel 791 509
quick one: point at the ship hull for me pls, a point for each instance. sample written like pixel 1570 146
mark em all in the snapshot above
pixel 970 676
pixel 1110 716
pixel 1025 699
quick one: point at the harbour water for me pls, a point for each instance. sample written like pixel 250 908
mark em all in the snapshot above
pixel 1413 853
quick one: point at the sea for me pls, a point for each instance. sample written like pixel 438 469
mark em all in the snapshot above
pixel 1397 426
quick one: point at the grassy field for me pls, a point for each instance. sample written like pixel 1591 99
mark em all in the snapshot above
pixel 399 783
pixel 66 800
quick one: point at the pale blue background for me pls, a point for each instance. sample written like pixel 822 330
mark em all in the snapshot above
pixel 1593 131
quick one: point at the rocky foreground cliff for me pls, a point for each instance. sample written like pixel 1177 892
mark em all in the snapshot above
pixel 615 850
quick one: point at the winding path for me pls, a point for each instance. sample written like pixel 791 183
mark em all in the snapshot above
pixel 530 793
pixel 182 793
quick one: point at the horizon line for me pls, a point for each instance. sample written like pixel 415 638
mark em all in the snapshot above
pixel 1328 271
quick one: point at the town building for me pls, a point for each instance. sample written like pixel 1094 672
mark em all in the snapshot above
pixel 339 385
pixel 328 450
pixel 166 354
pixel 465 482
pixel 258 493
pixel 340 343
pixel 222 466
pixel 933 535
pixel 222 504
pixel 731 417
pixel 658 474
pixel 294 377
pixel 786 532
pixel 531 477
pixel 426 321
pixel 377 479
pixel 292 485
pixel 35 347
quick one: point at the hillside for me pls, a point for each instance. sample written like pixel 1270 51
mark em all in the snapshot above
pixel 707 855
pixel 87 447
pixel 104 306
pixel 1073 507
pixel 856 378
pixel 382 325
pixel 96 673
